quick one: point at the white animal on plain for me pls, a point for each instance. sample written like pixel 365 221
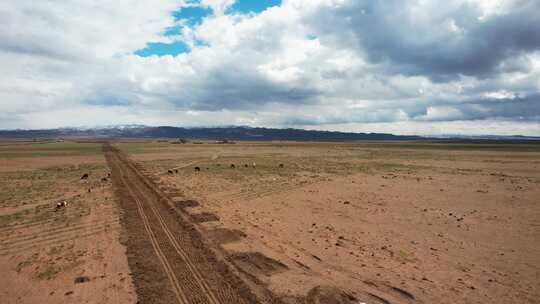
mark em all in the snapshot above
pixel 61 204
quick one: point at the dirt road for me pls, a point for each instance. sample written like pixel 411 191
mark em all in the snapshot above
pixel 169 260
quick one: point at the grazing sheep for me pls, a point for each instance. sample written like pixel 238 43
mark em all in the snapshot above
pixel 85 176
pixel 254 165
pixel 281 165
pixel 233 166
pixel 170 171
pixel 104 179
pixel 197 169
pixel 246 165
pixel 61 204
pixel 109 174
pixel 175 170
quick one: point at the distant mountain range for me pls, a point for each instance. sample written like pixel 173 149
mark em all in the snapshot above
pixel 229 133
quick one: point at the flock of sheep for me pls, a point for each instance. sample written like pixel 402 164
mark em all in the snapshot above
pixel 63 204
pixel 232 166
pixel 85 176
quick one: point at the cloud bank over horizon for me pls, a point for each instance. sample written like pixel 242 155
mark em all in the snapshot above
pixel 404 67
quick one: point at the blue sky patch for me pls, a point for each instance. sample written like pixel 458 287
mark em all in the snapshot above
pixel 162 49
pixel 172 31
pixel 192 15
pixel 254 6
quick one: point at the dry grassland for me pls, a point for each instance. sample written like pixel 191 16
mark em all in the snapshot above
pixel 373 222
pixel 408 222
pixel 69 255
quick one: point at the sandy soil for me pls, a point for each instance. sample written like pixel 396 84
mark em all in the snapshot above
pixel 405 226
pixel 32 163
pixel 168 256
pixel 71 255
pixel 288 223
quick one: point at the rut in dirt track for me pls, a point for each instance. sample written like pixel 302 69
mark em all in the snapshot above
pixel 170 262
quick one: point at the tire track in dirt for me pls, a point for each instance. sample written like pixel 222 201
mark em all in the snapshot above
pixel 52 219
pixel 211 297
pixel 194 274
pixel 223 294
pixel 53 241
pixel 39 238
pixel 180 296
pixel 63 230
pixel 173 280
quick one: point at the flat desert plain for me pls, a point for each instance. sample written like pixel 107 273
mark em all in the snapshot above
pixel 269 222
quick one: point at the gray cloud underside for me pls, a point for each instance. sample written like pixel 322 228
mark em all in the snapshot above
pixel 386 32
pixel 526 109
pixel 235 88
pixel 394 43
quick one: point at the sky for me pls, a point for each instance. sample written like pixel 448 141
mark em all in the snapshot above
pixel 422 67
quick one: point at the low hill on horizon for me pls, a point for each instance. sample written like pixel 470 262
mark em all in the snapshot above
pixel 212 133
pixel 233 133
